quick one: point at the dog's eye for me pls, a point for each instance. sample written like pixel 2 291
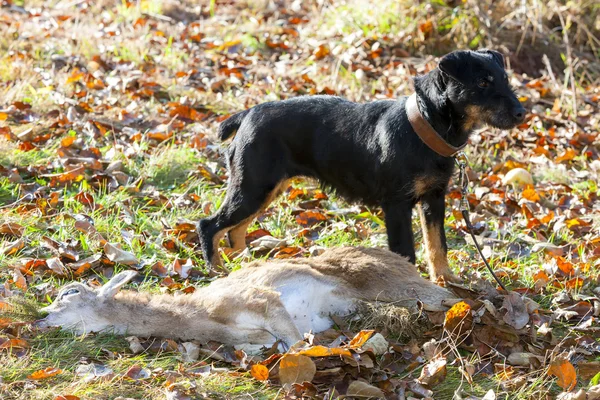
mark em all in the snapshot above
pixel 483 83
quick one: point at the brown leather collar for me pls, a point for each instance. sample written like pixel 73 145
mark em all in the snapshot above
pixel 426 132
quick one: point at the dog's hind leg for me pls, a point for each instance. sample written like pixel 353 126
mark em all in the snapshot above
pixel 237 235
pixel 242 203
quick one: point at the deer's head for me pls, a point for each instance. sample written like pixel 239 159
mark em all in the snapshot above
pixel 84 309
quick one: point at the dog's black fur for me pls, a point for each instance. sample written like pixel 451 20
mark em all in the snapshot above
pixel 366 152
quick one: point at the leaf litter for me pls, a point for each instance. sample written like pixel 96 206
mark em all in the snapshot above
pixel 92 118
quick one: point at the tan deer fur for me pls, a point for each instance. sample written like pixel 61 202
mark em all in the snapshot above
pixel 258 304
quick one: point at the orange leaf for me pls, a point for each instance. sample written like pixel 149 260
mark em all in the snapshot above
pixel 287 252
pixel 566 267
pixel 565 372
pixel 259 372
pixel 66 397
pixel 309 218
pixel 322 351
pixel 360 339
pixel 14 343
pixel 531 195
pixel 568 155
pixel 426 27
pixel 574 283
pixel 458 318
pixel 295 368
pixel 45 373
pixel 321 52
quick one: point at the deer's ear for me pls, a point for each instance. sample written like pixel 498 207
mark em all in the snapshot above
pixel 112 287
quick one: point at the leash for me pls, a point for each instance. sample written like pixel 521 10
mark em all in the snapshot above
pixel 462 162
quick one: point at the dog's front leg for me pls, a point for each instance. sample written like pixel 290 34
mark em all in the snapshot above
pixel 399 228
pixel 432 210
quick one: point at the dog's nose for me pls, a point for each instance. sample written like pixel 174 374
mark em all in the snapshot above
pixel 519 113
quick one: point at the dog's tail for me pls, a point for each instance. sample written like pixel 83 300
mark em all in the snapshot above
pixel 231 124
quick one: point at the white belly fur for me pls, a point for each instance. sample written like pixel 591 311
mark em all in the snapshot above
pixel 310 302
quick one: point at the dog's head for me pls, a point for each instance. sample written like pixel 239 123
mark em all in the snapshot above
pixel 478 89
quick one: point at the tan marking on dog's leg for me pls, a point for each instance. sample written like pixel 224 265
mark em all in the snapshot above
pixel 237 235
pixel 216 258
pixel 437 259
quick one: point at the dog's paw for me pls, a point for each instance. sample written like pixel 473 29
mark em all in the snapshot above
pixel 442 277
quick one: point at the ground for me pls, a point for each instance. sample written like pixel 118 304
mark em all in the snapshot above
pixel 107 138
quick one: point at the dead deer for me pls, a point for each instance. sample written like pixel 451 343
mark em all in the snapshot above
pixel 259 304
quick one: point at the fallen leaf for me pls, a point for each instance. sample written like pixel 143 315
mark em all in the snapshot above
pixel 360 338
pixel 458 319
pixel 364 390
pixel 434 372
pixel 516 311
pixel 565 372
pixel 183 269
pixel 295 368
pixel 12 228
pixel 117 255
pixel 56 266
pixel 136 372
pixel 66 397
pixel 322 351
pixel 13 247
pixel 45 373
pixel 259 372
pixel 310 218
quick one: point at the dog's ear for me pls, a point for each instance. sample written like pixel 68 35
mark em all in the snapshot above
pixel 452 64
pixel 498 57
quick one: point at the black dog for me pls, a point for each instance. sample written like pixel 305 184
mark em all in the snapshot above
pixel 366 152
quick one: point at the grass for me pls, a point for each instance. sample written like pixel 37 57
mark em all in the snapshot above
pixel 165 185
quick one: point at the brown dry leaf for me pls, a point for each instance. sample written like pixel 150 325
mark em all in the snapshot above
pixel 309 218
pixel 13 247
pixel 287 252
pixel 56 266
pixel 87 227
pixel 458 319
pixel 12 228
pixel 85 198
pixel 434 372
pixel 136 372
pixel 183 268
pixel 257 234
pixel 159 269
pixel 19 280
pixel 503 372
pixel 45 373
pixel 568 155
pixel 588 369
pixel 14 344
pixel 116 254
pixel 322 351
pixel 81 266
pixel 321 51
pixel 66 397
pixel 516 311
pixel 360 339
pixel 295 368
pixel 565 372
pixel 364 390
pixel 259 372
